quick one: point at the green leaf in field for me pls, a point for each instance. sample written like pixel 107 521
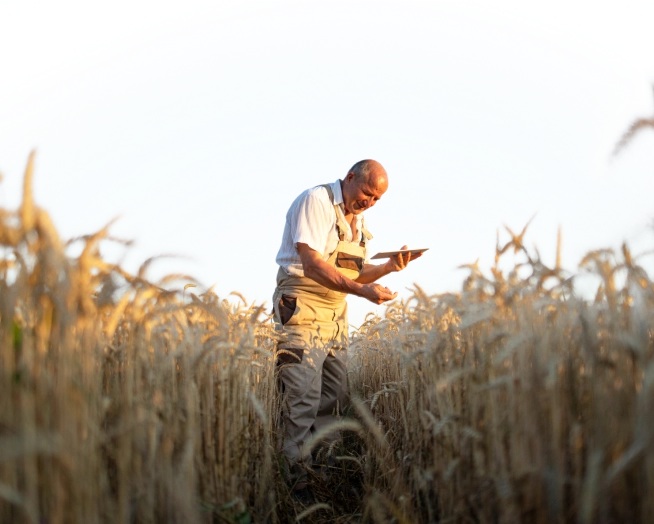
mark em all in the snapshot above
pixel 18 336
pixel 243 518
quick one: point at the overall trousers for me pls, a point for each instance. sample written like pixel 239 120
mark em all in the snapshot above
pixel 312 352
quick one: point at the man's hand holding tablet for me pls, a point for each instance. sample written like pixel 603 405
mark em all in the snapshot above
pixel 400 259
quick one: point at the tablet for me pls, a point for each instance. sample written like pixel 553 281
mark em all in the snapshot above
pixel 389 254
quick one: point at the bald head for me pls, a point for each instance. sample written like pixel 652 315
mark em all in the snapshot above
pixel 370 172
pixel 364 185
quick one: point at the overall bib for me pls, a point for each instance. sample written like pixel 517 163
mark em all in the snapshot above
pixel 312 354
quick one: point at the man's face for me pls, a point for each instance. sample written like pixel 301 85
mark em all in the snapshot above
pixel 359 196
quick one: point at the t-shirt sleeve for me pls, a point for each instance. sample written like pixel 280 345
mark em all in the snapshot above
pixel 312 221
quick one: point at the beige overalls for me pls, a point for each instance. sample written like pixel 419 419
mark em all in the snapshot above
pixel 313 352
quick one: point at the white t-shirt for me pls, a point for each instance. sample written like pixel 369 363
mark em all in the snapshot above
pixel 311 220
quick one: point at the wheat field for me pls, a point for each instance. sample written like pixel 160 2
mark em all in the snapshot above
pixel 511 400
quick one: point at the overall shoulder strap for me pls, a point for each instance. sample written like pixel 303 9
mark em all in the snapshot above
pixel 328 187
pixel 365 234
pixel 341 226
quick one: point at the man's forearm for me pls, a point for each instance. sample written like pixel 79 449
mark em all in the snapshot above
pixel 331 278
pixel 372 273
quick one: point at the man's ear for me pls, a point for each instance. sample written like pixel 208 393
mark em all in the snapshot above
pixel 349 177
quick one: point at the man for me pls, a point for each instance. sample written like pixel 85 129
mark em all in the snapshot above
pixel 322 259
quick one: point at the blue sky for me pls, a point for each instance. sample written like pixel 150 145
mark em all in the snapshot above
pixel 199 123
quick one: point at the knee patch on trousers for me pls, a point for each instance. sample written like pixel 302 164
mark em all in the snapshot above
pixel 289 356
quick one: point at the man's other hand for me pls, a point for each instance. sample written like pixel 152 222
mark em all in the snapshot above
pixel 401 261
pixel 377 293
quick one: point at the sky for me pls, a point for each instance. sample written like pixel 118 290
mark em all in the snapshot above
pixel 198 123
pixel 625 26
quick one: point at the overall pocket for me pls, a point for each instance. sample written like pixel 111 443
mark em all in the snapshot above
pixel 347 261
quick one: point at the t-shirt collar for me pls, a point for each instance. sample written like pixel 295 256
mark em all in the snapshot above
pixel 338 193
